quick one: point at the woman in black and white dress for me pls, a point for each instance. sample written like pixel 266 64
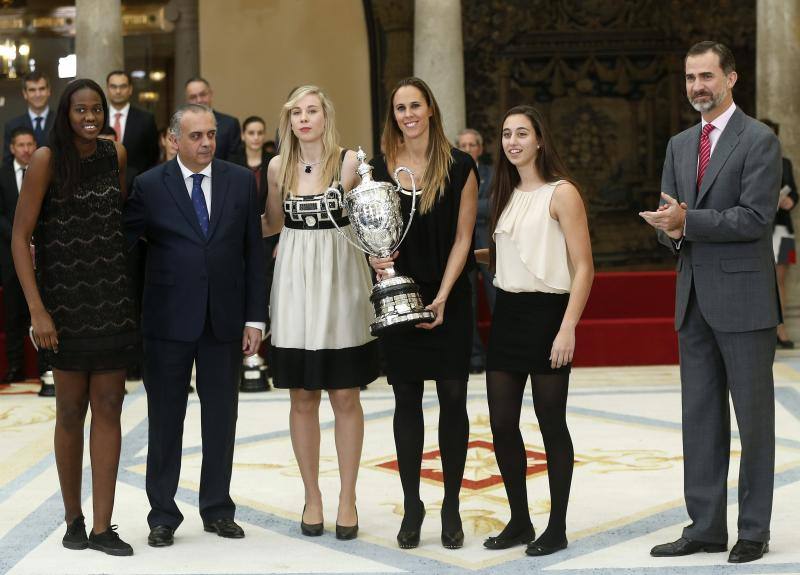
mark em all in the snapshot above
pixel 319 307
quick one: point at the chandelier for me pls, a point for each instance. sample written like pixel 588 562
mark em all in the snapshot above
pixel 15 59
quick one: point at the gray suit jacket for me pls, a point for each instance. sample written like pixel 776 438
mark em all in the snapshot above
pixel 727 249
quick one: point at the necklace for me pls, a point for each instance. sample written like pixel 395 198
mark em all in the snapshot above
pixel 308 165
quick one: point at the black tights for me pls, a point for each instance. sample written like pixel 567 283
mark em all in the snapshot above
pixel 505 392
pixel 409 435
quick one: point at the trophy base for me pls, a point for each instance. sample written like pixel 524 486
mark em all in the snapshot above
pixel 398 306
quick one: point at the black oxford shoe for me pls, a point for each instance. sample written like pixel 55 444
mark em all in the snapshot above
pixel 224 528
pixel 745 551
pixel 684 546
pixel 161 536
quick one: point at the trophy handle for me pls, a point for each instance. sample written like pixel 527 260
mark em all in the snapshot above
pixel 413 200
pixel 338 195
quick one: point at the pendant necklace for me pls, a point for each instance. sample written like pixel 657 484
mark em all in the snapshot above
pixel 308 165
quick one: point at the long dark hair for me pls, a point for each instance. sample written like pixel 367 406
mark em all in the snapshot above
pixel 66 158
pixel 506 177
pixel 439 158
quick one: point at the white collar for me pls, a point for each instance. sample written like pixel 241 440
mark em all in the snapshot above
pixel 187 173
pixel 722 120
pixel 124 110
pixel 18 166
pixel 33 115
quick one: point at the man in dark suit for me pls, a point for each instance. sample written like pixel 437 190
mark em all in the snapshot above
pixel 719 195
pixel 204 304
pixel 37 118
pixel 22 147
pixel 229 131
pixel 134 127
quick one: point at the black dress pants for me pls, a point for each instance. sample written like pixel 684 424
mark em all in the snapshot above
pixel 167 373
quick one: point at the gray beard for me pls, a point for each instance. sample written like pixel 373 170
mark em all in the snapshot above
pixel 704 107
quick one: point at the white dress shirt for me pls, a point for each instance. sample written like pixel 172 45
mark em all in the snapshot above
pixel 18 169
pixel 123 119
pixel 205 185
pixel 33 115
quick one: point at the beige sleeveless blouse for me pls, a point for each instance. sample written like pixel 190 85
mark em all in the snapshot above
pixel 531 248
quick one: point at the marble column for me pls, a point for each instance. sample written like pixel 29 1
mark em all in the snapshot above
pixel 777 89
pixel 439 58
pixel 98 38
pixel 184 13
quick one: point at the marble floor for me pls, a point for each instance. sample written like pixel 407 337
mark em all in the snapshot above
pixel 626 493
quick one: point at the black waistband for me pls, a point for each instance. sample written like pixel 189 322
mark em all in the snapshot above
pixel 313 222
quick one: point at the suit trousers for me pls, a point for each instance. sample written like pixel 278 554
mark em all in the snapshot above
pixel 167 374
pixel 714 364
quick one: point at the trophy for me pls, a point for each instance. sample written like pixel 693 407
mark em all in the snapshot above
pixel 374 212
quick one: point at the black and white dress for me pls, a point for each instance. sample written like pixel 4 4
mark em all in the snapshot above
pixel 319 307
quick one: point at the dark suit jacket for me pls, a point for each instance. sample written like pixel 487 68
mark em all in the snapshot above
pixel 229 136
pixel 140 139
pixel 189 277
pixel 24 120
pixel 8 205
pixel 240 158
pixel 726 255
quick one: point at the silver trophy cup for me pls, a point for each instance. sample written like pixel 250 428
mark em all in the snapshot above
pixel 377 224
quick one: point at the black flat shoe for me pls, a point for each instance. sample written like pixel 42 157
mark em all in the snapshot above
pixel 785 343
pixel 536 549
pixel 226 528
pixel 347 532
pixel 109 543
pixel 161 536
pixel 745 551
pixel 686 546
pixel 409 538
pixel 312 529
pixel 504 542
pixel 75 538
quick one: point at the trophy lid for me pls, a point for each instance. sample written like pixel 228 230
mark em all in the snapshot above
pixel 364 169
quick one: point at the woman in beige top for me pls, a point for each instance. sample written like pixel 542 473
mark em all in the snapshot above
pixel 543 261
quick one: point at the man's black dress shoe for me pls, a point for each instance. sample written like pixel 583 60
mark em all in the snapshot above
pixel 161 536
pixel 224 528
pixel 14 375
pixel 684 546
pixel 409 538
pixel 745 551
pixel 537 548
pixel 311 529
pixel 504 542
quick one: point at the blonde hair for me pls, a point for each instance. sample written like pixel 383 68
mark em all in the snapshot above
pixel 434 179
pixel 290 145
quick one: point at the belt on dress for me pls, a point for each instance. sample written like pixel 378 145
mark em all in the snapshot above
pixel 314 222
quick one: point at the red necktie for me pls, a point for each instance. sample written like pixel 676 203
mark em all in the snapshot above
pixel 705 153
pixel 118 126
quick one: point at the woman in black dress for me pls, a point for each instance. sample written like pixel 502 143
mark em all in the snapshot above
pixel 437 254
pixel 81 299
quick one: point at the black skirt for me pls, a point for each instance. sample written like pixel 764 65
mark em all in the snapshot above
pixel 524 326
pixel 441 353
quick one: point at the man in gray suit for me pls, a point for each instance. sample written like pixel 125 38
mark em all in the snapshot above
pixel 719 196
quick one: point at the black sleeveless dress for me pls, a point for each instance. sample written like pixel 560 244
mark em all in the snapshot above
pixel 442 353
pixel 82 272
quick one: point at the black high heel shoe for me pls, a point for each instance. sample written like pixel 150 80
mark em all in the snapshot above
pixel 409 538
pixel 452 539
pixel 346 532
pixel 310 529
